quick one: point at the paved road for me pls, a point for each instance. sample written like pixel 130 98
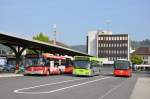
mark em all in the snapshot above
pixel 67 87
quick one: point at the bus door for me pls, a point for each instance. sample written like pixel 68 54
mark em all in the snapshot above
pixel 95 67
pixel 52 66
pixel 62 65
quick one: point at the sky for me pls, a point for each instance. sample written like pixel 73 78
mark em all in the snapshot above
pixel 74 18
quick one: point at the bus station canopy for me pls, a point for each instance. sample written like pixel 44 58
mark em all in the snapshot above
pixel 21 41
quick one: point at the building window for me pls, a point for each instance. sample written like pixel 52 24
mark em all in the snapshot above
pixel 112 45
pixel 126 38
pixel 106 51
pixel 106 38
pixel 120 38
pixel 118 45
pixel 123 52
pixel 115 38
pixel 106 45
pixel 118 51
pixel 123 45
pixel 123 38
pixel 101 51
pixel 145 57
pixel 145 62
pixel 126 52
pixel 109 45
pixel 112 38
pixel 112 52
pixel 101 45
pixel 109 38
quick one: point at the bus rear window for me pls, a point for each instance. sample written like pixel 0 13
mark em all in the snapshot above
pixel 121 65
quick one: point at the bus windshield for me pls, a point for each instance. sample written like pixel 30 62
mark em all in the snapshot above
pixel 121 65
pixel 82 64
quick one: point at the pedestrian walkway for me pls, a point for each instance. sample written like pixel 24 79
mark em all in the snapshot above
pixel 141 89
pixel 9 75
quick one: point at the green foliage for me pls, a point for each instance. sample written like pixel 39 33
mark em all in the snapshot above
pixel 41 37
pixel 136 59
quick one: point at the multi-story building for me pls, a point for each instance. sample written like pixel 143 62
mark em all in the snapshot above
pixel 107 45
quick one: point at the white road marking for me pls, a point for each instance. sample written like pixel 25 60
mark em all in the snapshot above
pixel 60 89
pixel 111 90
pixel 17 90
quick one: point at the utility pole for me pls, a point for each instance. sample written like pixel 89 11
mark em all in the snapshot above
pixel 54 33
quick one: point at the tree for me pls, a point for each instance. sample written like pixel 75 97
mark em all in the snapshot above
pixel 39 37
pixel 136 59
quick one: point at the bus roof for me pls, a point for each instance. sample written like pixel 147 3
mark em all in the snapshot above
pixel 45 55
pixel 87 58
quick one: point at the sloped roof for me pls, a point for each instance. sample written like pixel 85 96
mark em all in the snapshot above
pixel 142 51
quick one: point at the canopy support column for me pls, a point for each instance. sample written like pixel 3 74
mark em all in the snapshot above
pixel 18 52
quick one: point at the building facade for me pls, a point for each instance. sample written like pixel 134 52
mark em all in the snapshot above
pixel 107 45
pixel 144 52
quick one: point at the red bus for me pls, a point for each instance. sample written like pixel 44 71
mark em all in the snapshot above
pixel 69 65
pixel 44 64
pixel 122 67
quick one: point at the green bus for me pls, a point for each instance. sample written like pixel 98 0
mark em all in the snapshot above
pixel 86 66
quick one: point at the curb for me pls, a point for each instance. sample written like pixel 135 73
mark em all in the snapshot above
pixel 10 75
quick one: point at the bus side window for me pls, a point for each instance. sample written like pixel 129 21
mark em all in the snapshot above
pixel 52 63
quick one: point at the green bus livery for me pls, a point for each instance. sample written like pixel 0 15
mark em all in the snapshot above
pixel 86 66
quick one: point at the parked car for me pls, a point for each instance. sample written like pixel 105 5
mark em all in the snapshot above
pixel 1 68
pixel 9 67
